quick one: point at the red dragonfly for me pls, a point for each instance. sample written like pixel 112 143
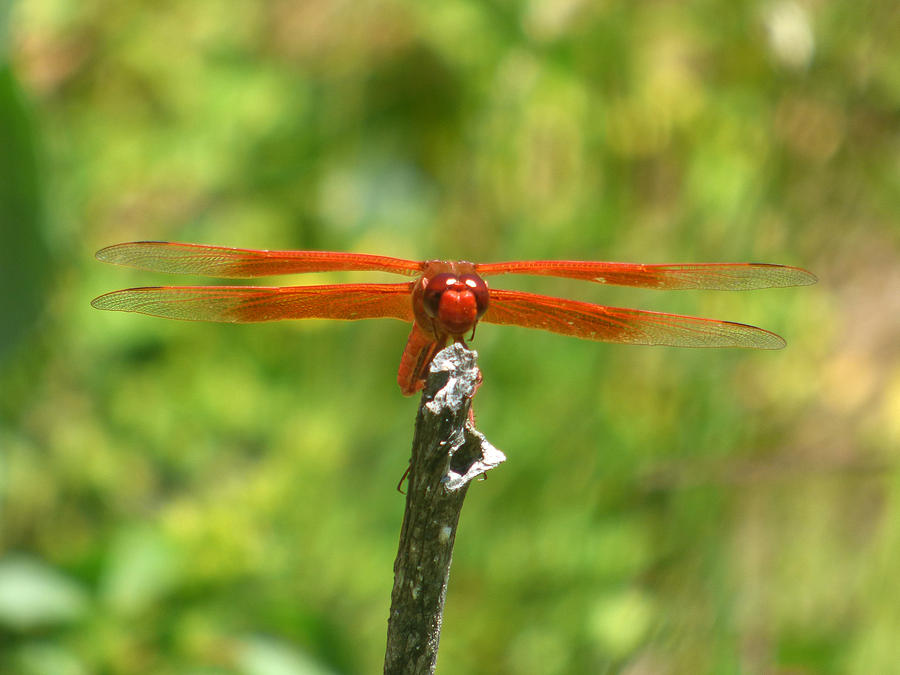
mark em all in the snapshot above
pixel 444 302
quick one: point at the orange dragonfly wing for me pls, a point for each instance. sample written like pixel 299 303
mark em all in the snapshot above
pixel 709 276
pixel 615 324
pixel 244 304
pixel 236 263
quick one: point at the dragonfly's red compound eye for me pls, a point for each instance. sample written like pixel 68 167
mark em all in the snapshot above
pixel 477 286
pixel 435 289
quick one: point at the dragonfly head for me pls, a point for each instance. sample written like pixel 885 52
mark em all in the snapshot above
pixel 451 300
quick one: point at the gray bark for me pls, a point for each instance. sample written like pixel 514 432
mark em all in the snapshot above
pixel 447 454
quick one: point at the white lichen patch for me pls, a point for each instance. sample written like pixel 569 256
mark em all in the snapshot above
pixel 444 534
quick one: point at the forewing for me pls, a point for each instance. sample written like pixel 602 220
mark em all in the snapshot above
pixel 246 304
pixel 710 276
pixel 233 263
pixel 615 324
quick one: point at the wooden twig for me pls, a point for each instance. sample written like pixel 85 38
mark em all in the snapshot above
pixel 447 454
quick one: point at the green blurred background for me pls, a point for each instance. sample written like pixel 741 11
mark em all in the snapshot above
pixel 203 499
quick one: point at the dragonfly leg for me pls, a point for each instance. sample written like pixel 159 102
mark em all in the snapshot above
pixel 403 478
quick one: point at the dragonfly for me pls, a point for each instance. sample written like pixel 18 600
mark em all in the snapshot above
pixel 445 300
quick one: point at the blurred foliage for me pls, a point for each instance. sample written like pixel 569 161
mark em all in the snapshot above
pixel 191 498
